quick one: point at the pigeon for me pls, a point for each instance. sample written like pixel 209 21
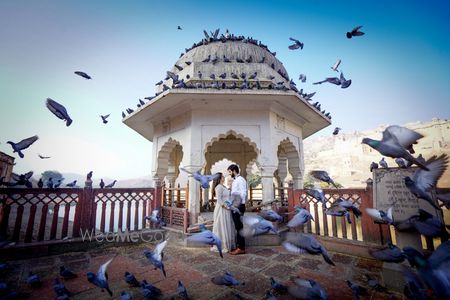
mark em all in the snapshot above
pixel 355 32
pixel 58 110
pixel 317 194
pixel 270 215
pixel 66 273
pixel 380 216
pixel 254 226
pixel 82 74
pixel 344 82
pixel 357 290
pixel 125 296
pixel 72 184
pixel 43 157
pixel 22 145
pixel 131 280
pixel 276 286
pixel 102 183
pixel 397 141
pixel 306 243
pixel 253 76
pixel 101 278
pixel 424 181
pixel 428 225
pixel 401 163
pixel 307 289
pixel 153 289
pixel 179 67
pixel 108 186
pixel 155 217
pixel 89 175
pixel 375 285
pixel 341 208
pixel 207 59
pixel 333 80
pixel 22 179
pixel 179 27
pixel 212 76
pixel 302 77
pixel 34 280
pixel 297 44
pixel 300 218
pixel 182 292
pixel 58 184
pixel 445 198
pixel 223 75
pixel 49 183
pixel 336 130
pixel 188 63
pixel 323 176
pixel 383 163
pixel 159 83
pixel 226 279
pixel 269 296
pixel 373 166
pixel 206 237
pixel 434 270
pixel 40 183
pixel 155 256
pixel 203 179
pixel 104 118
pixel 59 288
pixel 413 289
pixel 336 65
pixel 130 111
pixel 390 253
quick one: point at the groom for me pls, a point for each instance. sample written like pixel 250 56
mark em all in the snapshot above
pixel 239 196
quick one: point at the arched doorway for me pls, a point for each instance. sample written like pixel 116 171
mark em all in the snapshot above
pixel 290 166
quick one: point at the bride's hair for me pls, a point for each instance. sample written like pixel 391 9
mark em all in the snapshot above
pixel 216 182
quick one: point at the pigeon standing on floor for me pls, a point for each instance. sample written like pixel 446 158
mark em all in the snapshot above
pixel 423 181
pixel 317 194
pixel 182 292
pixel 153 289
pixel 34 280
pixel 300 218
pixel 357 290
pixel 226 279
pixel 307 243
pixel 323 176
pixel 355 32
pixel 104 118
pixel 22 145
pixel 383 163
pixel 270 215
pixel 72 184
pixel 83 74
pixel 373 166
pixel 206 237
pixel 59 288
pixel 390 253
pixel 66 273
pixel 276 286
pixel 203 179
pixel 375 285
pixel 155 256
pixel 336 130
pixel 131 280
pixel 397 141
pixel 101 278
pixel 58 110
pixel 108 186
pixel 380 216
pixel 297 44
pixel 125 296
pixel 307 289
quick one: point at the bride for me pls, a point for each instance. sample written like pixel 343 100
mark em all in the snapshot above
pixel 223 222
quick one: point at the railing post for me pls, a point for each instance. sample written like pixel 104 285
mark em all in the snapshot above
pixel 85 212
pixel 159 190
pixel 371 232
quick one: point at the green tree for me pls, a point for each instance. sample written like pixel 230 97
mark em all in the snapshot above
pixel 254 180
pixel 54 175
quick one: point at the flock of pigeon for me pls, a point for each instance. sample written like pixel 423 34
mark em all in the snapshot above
pixel 244 81
pixel 24 179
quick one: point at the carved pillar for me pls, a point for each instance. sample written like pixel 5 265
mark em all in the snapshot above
pixel 267 183
pixel 194 195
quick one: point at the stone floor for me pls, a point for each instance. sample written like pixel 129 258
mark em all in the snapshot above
pixel 194 267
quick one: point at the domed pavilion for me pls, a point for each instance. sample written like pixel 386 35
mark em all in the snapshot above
pixel 227 97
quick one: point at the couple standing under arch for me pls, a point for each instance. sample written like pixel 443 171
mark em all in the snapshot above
pixel 228 223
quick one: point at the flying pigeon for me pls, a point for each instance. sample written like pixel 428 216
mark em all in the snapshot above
pixel 22 179
pixel 203 179
pixel 270 215
pixel 341 207
pixel 302 77
pixel 206 237
pixel 423 181
pixel 336 65
pixel 108 186
pixel 380 216
pixel 101 278
pixel 104 118
pixel 306 243
pixel 254 226
pixel 383 163
pixel 428 225
pixel 355 32
pixel 155 217
pixel 226 279
pixel 43 157
pixel 323 176
pixel 22 145
pixel 300 218
pixel 155 256
pixel 397 141
pixel 58 110
pixel 82 74
pixel 336 130
pixel 297 44
pixel 333 80
pixel 390 253
pixel 179 27
pixel 317 194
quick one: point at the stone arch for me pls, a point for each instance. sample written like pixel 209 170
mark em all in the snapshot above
pixel 289 157
pixel 169 158
pixel 235 134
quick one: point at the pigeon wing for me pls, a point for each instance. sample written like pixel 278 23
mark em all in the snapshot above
pixel 56 108
pixel 292 248
pixel 101 274
pixel 354 30
pixel 28 175
pixel 374 213
pixel 159 249
pixel 212 177
pixel 23 144
pixel 428 179
pixel 404 136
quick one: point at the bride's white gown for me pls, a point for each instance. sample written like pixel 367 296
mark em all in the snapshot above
pixel 223 222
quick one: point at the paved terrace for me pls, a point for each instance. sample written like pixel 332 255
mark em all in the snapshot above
pixel 194 267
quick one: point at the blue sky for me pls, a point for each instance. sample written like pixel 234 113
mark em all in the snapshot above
pixel 400 68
